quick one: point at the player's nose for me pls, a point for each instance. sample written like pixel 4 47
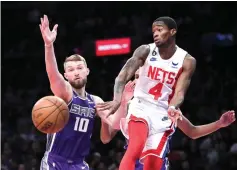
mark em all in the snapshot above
pixel 155 35
pixel 77 74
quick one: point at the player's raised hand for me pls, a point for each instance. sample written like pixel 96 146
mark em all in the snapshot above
pixel 48 36
pixel 103 114
pixel 174 114
pixel 112 106
pixel 128 91
pixel 227 118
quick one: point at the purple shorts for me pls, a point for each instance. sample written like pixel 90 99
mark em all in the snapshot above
pixel 56 162
pixel 165 165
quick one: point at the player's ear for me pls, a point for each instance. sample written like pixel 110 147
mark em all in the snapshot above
pixel 173 32
pixel 88 71
pixel 65 75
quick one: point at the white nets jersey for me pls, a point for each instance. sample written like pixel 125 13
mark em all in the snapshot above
pixel 158 77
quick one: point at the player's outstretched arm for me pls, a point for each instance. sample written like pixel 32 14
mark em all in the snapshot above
pixel 195 132
pixel 58 85
pixel 114 119
pixel 106 131
pixel 128 70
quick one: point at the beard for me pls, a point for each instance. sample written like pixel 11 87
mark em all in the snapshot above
pixel 78 84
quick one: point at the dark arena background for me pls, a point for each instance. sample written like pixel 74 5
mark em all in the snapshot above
pixel 106 34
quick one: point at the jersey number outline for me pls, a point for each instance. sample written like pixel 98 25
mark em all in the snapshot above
pixel 81 124
pixel 156 91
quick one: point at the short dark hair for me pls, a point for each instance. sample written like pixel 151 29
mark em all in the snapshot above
pixel 168 21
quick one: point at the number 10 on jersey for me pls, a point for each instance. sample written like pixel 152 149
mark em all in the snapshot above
pixel 81 124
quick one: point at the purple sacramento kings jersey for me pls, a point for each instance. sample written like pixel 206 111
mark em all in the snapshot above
pixel 73 141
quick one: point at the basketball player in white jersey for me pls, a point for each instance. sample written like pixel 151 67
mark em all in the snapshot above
pixel 192 131
pixel 164 78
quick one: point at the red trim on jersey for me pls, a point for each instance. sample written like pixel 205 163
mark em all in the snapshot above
pixel 174 86
pixel 137 119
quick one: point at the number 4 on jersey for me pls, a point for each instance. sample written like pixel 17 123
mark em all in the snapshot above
pixel 156 91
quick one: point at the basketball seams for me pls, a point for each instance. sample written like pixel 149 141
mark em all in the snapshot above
pixel 53 102
pixel 42 108
pixel 47 124
pixel 55 122
pixel 49 114
pixel 62 115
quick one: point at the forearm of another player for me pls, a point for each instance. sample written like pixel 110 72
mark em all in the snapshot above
pixel 114 119
pixel 106 133
pixel 195 132
pixel 204 130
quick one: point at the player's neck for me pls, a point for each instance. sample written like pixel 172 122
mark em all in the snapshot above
pixel 81 92
pixel 168 51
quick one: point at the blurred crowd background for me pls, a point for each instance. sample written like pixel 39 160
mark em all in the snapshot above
pixel 207 30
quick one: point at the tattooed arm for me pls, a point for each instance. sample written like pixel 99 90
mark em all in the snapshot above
pixel 129 69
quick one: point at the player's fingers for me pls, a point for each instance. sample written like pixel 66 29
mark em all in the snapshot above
pixel 233 116
pixel 108 114
pixel 133 84
pixel 171 113
pixel 42 21
pixel 103 107
pixel 101 104
pixel 128 84
pixel 55 28
pixel 46 21
pixel 40 28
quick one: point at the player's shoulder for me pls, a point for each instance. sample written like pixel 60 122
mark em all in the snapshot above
pixel 190 58
pixel 96 98
pixel 189 61
pixel 151 46
pixel 143 49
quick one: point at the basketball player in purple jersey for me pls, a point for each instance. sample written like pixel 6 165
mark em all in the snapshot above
pixel 66 150
pixel 185 125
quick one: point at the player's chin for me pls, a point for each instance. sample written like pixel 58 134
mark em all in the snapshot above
pixel 158 43
pixel 78 84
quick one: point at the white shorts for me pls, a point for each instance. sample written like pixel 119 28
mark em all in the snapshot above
pixel 160 127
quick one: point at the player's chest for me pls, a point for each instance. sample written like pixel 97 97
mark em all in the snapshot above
pixel 165 72
pixel 82 110
pixel 81 118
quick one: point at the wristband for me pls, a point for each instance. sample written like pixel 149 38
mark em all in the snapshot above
pixel 172 107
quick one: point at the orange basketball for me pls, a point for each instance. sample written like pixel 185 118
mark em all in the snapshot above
pixel 50 114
